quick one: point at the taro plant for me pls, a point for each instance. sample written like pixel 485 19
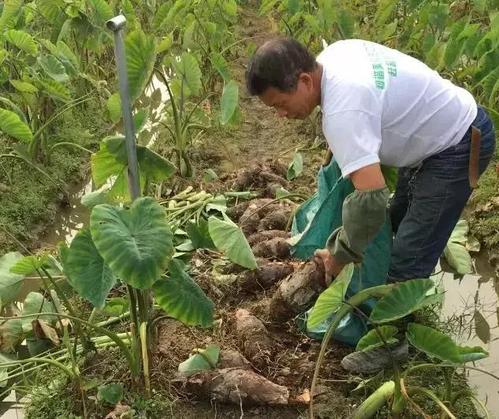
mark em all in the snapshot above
pixel 203 28
pixel 187 82
pixel 396 301
pixel 39 78
pixel 457 38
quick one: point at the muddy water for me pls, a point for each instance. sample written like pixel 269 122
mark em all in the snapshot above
pixel 471 308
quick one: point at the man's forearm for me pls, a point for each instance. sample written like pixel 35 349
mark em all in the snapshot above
pixel 363 214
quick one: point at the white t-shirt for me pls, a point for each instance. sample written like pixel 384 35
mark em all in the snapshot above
pixel 380 105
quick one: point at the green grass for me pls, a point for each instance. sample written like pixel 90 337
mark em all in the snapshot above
pixel 54 396
pixel 485 224
pixel 30 201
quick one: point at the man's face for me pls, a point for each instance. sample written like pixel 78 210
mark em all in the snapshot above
pixel 292 105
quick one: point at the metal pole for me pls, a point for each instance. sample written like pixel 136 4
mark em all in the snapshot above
pixel 116 24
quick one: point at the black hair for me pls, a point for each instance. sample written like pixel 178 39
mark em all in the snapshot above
pixel 278 63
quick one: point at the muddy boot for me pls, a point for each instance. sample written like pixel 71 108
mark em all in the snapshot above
pixel 375 360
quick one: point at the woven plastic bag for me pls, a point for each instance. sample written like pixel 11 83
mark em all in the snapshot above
pixel 313 223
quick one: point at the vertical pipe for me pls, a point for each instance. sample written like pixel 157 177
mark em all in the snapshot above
pixel 116 24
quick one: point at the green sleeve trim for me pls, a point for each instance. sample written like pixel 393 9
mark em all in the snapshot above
pixel 363 214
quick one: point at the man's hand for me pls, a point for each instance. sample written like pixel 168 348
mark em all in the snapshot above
pixel 332 267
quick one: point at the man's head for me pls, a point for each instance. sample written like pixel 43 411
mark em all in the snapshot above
pixel 284 75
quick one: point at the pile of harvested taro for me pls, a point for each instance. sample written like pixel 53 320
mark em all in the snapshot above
pixel 264 359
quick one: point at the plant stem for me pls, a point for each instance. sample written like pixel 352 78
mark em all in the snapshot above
pixel 145 359
pixel 448 384
pixel 112 320
pixel 68 144
pixel 135 323
pixel 21 371
pixel 375 401
pixel 113 336
pixel 398 404
pixel 357 299
pixel 49 361
pixel 410 370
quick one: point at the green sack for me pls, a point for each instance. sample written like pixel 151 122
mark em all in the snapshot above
pixel 313 223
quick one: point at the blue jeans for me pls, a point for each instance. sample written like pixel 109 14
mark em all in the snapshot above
pixel 429 200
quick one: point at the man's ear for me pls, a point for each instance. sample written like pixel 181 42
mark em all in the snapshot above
pixel 306 78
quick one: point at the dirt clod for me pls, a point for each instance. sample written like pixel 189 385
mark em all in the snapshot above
pixel 236 211
pixel 276 220
pixel 262 236
pixel 258 177
pixel 267 274
pixel 276 248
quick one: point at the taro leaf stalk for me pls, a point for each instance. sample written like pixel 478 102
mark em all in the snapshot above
pixel 182 125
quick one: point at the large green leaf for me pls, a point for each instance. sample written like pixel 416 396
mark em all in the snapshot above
pixel 229 239
pixel 30 264
pixel 111 160
pixel 101 11
pixel 135 242
pixel 346 23
pixel 229 101
pixel 23 86
pixel 87 273
pixel 330 300
pixel 455 44
pixel 140 119
pixel 372 339
pixel 153 167
pixel 22 40
pixel 165 44
pixel 491 86
pixel 12 125
pixel 199 234
pixel 201 360
pixel 407 297
pixel 51 9
pixel 188 70
pixel 105 164
pixel 437 345
pixel 218 62
pixel 10 283
pixel 55 90
pixel 113 106
pixel 384 11
pixel 455 253
pixel 63 51
pixel 10 12
pixel 180 297
pixel 161 14
pixel 53 68
pixel 140 58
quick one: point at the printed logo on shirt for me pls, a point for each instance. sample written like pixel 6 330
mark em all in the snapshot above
pixel 381 66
